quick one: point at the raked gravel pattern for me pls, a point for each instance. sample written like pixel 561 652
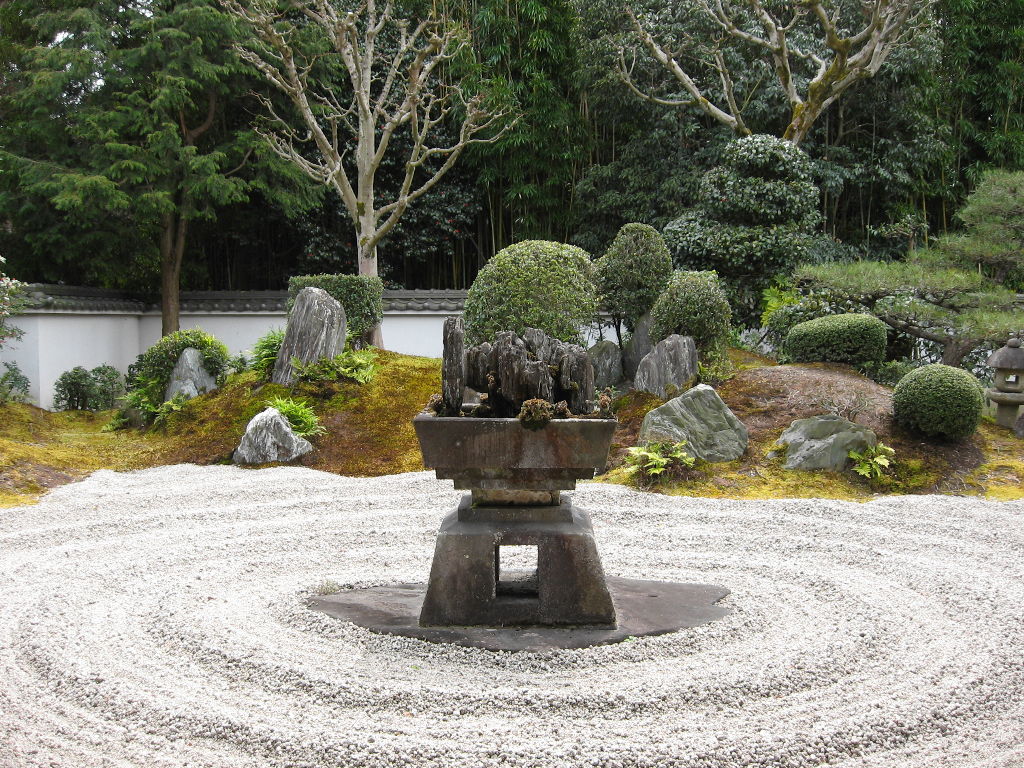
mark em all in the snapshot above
pixel 156 618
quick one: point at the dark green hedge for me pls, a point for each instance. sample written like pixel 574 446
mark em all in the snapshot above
pixel 938 401
pixel 850 338
pixel 360 295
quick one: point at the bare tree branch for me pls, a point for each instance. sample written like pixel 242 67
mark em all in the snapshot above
pixel 396 73
pixel 839 62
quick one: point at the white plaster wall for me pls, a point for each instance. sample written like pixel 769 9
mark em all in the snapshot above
pixel 57 342
pixel 239 331
pixel 414 333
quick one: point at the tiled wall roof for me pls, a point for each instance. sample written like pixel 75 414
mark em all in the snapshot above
pixel 77 299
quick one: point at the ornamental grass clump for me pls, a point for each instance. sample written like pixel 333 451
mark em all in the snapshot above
pixel 533 284
pixel 939 401
pixel 856 339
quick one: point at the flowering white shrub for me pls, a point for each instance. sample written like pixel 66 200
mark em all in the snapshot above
pixel 11 302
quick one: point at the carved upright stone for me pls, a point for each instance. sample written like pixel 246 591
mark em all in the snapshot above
pixel 669 368
pixel 637 347
pixel 189 377
pixel 453 366
pixel 316 330
pixel 606 357
pixel 269 437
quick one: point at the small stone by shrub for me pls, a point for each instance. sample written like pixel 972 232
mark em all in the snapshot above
pixel 359 295
pixel 855 339
pixel 938 401
pixel 694 304
pixel 533 284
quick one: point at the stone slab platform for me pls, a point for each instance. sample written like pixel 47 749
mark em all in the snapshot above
pixel 643 608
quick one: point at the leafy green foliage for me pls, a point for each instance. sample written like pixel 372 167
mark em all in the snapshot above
pixel 891 372
pixel 358 365
pixel 11 302
pixel 163 411
pixel 82 390
pixel 849 338
pixel 955 308
pixel 532 284
pixel 873 462
pixel 647 464
pixel 300 415
pixel 119 126
pixel 265 351
pixel 938 401
pixel 632 274
pixel 694 304
pixel 754 220
pixel 359 295
pixel 994 236
pixel 13 384
pixel 150 374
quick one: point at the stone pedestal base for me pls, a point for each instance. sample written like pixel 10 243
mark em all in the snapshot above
pixel 465 588
pixel 1007 406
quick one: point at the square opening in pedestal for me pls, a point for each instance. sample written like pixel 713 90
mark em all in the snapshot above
pixel 515 571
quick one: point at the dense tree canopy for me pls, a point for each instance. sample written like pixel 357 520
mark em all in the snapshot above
pixel 128 146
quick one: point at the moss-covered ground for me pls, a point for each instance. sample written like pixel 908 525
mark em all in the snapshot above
pixel 369 432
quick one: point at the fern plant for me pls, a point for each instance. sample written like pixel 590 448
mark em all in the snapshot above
pixel 299 414
pixel 873 462
pixel 359 365
pixel 648 463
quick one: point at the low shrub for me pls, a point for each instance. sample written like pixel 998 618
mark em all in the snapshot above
pixel 150 374
pixel 632 273
pixel 938 401
pixel 849 338
pixel 265 351
pixel 299 414
pixel 532 284
pixel 82 390
pixel 359 295
pixel 13 384
pixel 694 304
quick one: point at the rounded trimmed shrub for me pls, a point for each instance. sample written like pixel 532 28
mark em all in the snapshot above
pixel 693 304
pixel 849 338
pixel 938 401
pixel 533 284
pixel 151 371
pixel 633 273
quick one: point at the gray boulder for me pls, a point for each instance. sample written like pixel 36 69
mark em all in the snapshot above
pixel 700 417
pixel 189 378
pixel 1018 428
pixel 315 330
pixel 606 358
pixel 637 347
pixel 269 437
pixel 822 442
pixel 669 368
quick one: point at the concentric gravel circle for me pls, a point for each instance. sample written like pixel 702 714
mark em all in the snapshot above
pixel 157 618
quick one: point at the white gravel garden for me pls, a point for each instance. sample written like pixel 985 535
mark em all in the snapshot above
pixel 157 618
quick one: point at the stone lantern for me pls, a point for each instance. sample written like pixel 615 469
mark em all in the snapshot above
pixel 1008 392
